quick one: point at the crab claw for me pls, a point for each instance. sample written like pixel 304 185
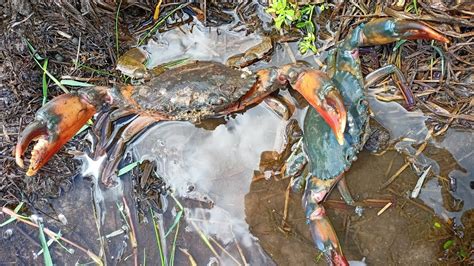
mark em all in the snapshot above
pixel 55 123
pixel 387 30
pixel 320 92
pixel 324 236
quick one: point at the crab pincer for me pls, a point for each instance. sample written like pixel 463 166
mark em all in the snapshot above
pixel 321 93
pixel 55 124
pixel 387 30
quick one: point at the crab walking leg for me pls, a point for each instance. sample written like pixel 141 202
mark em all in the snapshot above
pixel 382 72
pixel 105 126
pixel 125 116
pixel 116 151
pixel 322 231
pixel 56 123
pixel 344 191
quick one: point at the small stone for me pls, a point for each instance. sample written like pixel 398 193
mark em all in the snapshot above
pixel 7 234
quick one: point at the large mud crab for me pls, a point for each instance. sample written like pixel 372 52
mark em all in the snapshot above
pixel 200 90
pixel 194 91
pixel 322 161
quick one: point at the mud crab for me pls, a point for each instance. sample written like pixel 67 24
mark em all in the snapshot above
pixel 323 159
pixel 190 92
pixel 200 90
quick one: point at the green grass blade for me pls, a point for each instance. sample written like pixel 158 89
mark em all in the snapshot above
pixel 127 168
pixel 84 127
pixel 75 83
pixel 173 248
pixel 398 44
pixel 177 202
pixel 175 222
pixel 117 29
pixel 178 216
pixel 205 239
pixel 441 55
pixel 46 255
pixel 159 23
pixel 11 219
pixel 45 82
pixel 158 239
pixel 33 53
pixel 56 239
pixel 415 6
pixel 85 67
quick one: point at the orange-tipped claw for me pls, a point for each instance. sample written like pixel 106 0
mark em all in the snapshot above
pixel 319 91
pixel 55 123
pixel 387 30
pixel 325 237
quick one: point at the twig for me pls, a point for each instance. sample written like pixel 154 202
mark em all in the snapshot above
pixel 224 250
pixel 284 223
pixel 384 208
pixel 394 176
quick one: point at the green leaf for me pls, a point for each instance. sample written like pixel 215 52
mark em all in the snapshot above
pixel 278 22
pixel 448 244
pixel 463 254
pixel 75 83
pixel 290 14
pixel 301 24
pixel 437 225
pixel 310 27
pixel 303 47
pixel 322 7
pixel 270 10
pixel 306 10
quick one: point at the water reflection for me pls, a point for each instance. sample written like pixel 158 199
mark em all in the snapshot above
pixel 410 129
pixel 215 168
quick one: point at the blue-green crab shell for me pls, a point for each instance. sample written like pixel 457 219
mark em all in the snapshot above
pixel 327 159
